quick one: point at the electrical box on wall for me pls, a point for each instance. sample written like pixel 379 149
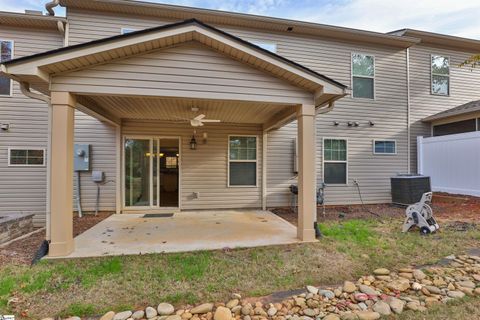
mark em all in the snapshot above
pixel 81 157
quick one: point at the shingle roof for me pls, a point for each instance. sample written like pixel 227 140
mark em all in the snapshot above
pixel 469 107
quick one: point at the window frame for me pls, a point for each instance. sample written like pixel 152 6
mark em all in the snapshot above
pixel 122 30
pixel 13 57
pixel 384 153
pixel 242 161
pixel 27 165
pixel 368 77
pixel 335 161
pixel 442 75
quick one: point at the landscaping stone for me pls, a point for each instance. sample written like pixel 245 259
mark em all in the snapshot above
pixel 173 317
pixel 312 289
pixel 222 313
pixel 165 309
pixel 108 316
pixel 382 307
pixel 232 303
pixel 396 304
pixel 455 294
pixel 368 315
pixel 466 284
pixel 123 315
pixel 272 311
pixel 331 316
pixel 367 290
pixel 203 308
pixel 139 314
pixel 150 312
pixel 419 274
pixel 349 287
pixel 327 294
pixel 399 284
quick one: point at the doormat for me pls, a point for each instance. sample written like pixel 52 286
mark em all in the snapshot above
pixel 158 215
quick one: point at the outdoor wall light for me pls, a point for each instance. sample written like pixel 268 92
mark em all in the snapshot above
pixel 5 126
pixel 193 143
pixel 371 123
pixel 336 123
pixel 356 124
pixel 350 123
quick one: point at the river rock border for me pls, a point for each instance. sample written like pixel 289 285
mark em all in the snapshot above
pixel 381 294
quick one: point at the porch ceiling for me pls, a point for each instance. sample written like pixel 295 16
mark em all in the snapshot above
pixel 177 109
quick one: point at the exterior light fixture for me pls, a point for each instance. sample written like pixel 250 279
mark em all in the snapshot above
pixel 4 126
pixel 205 138
pixel 371 123
pixel 336 123
pixel 350 123
pixel 193 143
pixel 356 124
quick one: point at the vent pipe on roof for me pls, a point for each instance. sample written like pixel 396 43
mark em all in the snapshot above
pixel 50 5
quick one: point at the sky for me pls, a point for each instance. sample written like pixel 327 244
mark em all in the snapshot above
pixel 453 17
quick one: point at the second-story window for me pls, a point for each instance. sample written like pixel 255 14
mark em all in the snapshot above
pixel 440 75
pixel 6 48
pixel 363 76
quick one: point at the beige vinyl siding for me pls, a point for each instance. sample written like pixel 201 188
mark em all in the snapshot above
pixel 331 58
pixel 464 87
pixel 101 137
pixel 204 170
pixel 23 189
pixel 188 70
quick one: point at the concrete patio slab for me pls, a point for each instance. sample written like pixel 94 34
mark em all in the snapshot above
pixel 124 234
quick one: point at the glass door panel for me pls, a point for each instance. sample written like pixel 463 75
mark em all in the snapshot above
pixel 169 172
pixel 137 172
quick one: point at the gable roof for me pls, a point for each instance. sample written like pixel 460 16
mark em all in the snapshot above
pixel 469 107
pixel 218 17
pixel 66 59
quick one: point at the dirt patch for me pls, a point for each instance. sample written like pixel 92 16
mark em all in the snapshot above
pixel 23 250
pixel 446 207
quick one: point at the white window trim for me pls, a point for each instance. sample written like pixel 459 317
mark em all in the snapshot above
pixel 384 153
pixel 334 161
pixel 27 165
pixel 368 77
pixel 258 42
pixel 13 57
pixel 122 30
pixel 442 75
pixel 256 161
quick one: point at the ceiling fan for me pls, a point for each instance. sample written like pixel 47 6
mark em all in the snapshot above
pixel 199 121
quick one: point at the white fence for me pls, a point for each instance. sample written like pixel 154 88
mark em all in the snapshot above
pixel 452 162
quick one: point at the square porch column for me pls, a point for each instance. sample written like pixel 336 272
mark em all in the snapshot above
pixel 61 174
pixel 307 203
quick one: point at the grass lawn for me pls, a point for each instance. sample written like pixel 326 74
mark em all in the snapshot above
pixel 349 249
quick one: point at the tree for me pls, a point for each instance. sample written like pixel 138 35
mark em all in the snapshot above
pixel 473 61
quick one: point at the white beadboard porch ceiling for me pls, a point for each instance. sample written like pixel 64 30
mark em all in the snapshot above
pixel 178 109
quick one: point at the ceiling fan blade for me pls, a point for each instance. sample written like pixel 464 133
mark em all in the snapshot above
pixel 199 117
pixel 210 120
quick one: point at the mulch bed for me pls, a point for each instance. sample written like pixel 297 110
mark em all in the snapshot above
pixel 23 250
pixel 446 207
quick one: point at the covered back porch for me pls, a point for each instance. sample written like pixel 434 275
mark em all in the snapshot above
pixel 148 84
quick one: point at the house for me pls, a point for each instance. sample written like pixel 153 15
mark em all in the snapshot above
pixel 127 77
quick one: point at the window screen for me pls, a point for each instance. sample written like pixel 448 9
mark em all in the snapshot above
pixel 242 159
pixel 363 76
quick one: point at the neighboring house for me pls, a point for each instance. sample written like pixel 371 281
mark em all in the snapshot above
pixel 139 89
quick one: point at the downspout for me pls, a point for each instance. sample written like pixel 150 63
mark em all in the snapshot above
pixel 25 89
pixel 409 169
pixel 50 5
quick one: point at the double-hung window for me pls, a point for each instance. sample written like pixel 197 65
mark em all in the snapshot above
pixel 440 68
pixel 6 48
pixel 335 166
pixel 242 161
pixel 384 147
pixel 363 76
pixel 26 157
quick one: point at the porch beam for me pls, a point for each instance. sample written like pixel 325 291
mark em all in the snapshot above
pixel 280 119
pixel 61 177
pixel 307 205
pixel 93 109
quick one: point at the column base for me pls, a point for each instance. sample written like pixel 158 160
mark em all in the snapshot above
pixel 306 235
pixel 60 249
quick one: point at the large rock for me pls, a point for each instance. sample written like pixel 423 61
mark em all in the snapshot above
pixel 122 315
pixel 381 272
pixel 203 308
pixel 396 304
pixel 401 285
pixel 456 294
pixel 368 315
pixel 312 289
pixel 222 313
pixel 165 309
pixel 150 312
pixel 108 316
pixel 382 307
pixel 349 287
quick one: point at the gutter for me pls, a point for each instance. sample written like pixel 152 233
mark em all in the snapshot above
pixel 25 89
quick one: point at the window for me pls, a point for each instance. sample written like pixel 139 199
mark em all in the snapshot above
pixel 127 30
pixel 363 76
pixel 455 127
pixel 384 147
pixel 335 161
pixel 6 48
pixel 26 157
pixel 242 161
pixel 440 75
pixel 270 46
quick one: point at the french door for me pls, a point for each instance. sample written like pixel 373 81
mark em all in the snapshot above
pixel 151 172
